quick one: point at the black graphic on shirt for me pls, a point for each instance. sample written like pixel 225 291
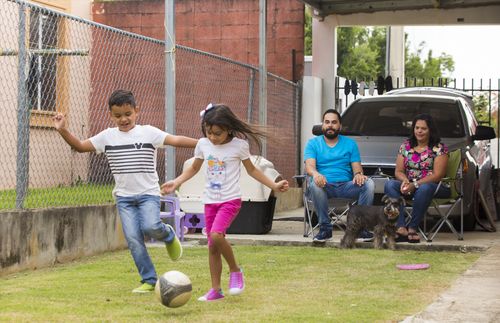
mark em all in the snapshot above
pixel 130 159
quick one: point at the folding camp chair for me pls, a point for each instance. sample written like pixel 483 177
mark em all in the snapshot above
pixel 442 208
pixel 337 209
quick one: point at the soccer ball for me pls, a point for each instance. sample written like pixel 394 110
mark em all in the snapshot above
pixel 173 289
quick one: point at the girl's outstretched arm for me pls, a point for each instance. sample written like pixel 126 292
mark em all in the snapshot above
pixel 281 186
pixel 180 141
pixel 172 185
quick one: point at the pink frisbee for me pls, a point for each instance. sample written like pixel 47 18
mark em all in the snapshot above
pixel 413 266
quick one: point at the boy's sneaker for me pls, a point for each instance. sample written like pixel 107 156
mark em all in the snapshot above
pixel 365 236
pixel 174 248
pixel 236 283
pixel 212 295
pixel 323 236
pixel 144 288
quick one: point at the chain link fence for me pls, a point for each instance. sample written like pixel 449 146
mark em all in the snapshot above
pixel 53 62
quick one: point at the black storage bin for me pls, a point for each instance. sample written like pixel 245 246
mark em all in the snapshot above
pixel 254 217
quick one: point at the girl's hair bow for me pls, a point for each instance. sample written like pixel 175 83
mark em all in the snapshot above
pixel 208 108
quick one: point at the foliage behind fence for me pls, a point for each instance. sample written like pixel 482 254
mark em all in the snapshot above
pixel 55 62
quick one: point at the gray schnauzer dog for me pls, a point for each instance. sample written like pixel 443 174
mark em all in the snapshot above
pixel 381 219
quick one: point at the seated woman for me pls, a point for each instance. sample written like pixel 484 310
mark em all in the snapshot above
pixel 420 165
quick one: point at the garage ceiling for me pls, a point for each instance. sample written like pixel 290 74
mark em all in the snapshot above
pixel 324 8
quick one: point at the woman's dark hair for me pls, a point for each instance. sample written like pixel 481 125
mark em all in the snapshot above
pixel 434 137
pixel 220 115
pixel 120 98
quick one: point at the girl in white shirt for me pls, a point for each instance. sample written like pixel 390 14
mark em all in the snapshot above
pixel 224 148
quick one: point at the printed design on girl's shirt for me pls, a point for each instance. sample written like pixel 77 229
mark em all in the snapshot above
pixel 216 174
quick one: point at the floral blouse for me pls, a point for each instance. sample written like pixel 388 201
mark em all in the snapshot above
pixel 419 165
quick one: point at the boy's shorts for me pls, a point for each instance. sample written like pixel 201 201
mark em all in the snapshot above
pixel 219 216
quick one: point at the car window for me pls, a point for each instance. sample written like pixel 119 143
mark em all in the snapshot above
pixel 394 118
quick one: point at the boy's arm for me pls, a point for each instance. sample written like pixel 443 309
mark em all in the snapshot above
pixel 256 173
pixel 75 143
pixel 172 185
pixel 180 141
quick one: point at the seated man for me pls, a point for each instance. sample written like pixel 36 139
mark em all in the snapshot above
pixel 334 166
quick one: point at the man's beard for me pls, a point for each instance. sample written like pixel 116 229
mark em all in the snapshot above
pixel 331 135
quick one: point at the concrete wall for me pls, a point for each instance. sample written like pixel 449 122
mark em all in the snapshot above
pixel 290 200
pixel 39 238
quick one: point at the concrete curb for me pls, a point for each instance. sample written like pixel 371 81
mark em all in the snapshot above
pixel 474 297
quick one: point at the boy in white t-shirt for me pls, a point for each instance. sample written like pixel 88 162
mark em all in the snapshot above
pixel 131 153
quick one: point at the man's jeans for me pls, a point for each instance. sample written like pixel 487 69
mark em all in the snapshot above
pixel 363 194
pixel 140 215
pixel 421 200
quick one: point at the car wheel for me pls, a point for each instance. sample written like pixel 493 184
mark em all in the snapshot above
pixel 487 209
pixel 469 222
pixel 470 219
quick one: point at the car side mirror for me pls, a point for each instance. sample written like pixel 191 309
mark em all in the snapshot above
pixel 316 130
pixel 484 133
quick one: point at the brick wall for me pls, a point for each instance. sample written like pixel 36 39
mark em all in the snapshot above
pixel 228 28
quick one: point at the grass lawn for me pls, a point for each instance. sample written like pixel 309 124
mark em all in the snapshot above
pixel 283 284
pixel 76 195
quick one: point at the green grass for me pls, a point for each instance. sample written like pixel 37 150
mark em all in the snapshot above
pixel 283 284
pixel 76 195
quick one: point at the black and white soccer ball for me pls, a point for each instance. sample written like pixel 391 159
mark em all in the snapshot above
pixel 173 289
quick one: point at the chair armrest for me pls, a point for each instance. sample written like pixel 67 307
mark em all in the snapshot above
pixel 447 179
pixel 173 201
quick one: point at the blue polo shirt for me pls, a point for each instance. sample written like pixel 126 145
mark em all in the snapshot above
pixel 333 162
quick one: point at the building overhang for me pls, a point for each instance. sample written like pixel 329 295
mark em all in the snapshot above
pixel 324 8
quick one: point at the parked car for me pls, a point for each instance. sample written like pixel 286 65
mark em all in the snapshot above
pixel 431 90
pixel 380 124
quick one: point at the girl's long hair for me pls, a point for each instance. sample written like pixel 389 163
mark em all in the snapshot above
pixel 220 115
pixel 434 137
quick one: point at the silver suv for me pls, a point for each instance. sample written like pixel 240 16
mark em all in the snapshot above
pixel 380 124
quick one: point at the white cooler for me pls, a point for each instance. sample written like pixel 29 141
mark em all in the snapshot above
pixel 257 211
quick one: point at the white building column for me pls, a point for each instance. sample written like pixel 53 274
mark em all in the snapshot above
pixel 324 64
pixel 396 54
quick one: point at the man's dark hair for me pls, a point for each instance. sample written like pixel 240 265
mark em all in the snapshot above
pixel 434 137
pixel 334 112
pixel 120 98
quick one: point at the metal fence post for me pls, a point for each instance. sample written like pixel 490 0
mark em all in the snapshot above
pixel 250 95
pixel 170 84
pixel 263 70
pixel 23 130
pixel 298 118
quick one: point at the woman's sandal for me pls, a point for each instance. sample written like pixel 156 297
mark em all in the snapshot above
pixel 401 238
pixel 413 237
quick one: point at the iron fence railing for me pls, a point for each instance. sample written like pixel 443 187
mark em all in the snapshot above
pixel 53 62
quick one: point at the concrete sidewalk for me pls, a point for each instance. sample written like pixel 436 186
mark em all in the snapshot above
pixel 474 297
